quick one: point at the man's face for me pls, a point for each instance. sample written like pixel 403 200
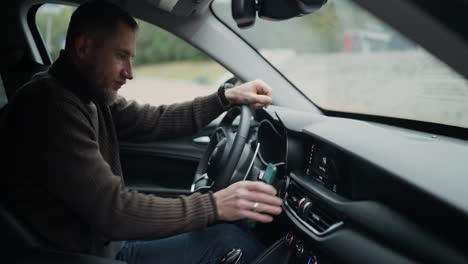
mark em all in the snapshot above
pixel 110 62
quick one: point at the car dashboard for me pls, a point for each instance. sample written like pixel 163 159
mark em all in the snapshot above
pixel 362 192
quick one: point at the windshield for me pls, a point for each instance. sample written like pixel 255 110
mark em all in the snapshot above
pixel 345 59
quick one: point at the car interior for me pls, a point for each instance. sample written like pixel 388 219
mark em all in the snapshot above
pixel 357 187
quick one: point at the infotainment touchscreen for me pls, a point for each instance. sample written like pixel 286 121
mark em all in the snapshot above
pixel 323 166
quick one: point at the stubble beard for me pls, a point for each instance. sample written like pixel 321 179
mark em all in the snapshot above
pixel 105 95
pixel 102 93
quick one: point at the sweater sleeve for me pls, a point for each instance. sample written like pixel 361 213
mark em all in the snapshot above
pixel 69 165
pixel 142 123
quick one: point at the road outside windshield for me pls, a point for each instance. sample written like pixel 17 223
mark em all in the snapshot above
pixel 345 59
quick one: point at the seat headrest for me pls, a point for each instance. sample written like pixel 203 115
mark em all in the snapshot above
pixel 13 57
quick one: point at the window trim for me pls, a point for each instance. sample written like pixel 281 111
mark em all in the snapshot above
pixel 3 93
pixel 39 41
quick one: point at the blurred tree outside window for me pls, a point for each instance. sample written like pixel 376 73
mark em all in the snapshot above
pixel 166 69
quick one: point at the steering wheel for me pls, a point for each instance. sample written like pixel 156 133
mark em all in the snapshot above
pixel 221 158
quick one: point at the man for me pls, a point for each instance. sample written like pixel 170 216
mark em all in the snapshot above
pixel 64 177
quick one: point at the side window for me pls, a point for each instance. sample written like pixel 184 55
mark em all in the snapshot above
pixel 52 22
pixel 166 69
pixel 3 97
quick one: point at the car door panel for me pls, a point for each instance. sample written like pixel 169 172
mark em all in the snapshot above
pixel 169 164
pixel 165 168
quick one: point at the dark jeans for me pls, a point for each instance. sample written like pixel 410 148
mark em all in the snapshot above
pixel 204 246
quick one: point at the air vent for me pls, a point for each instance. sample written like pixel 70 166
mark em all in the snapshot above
pixel 294 196
pixel 311 211
pixel 321 219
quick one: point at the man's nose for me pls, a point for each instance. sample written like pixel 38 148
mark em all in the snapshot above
pixel 128 72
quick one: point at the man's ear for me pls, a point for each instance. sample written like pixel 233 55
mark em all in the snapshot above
pixel 83 46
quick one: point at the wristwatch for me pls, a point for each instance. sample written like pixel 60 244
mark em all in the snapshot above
pixel 222 94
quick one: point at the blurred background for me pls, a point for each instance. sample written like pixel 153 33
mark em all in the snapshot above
pixel 166 68
pixel 341 57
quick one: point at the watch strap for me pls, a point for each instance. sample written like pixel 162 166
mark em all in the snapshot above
pixel 222 94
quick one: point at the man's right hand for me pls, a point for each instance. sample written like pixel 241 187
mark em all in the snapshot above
pixel 248 200
pixel 254 93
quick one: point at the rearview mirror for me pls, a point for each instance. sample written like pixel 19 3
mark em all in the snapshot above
pixel 244 12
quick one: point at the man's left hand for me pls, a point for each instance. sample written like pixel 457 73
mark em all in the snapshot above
pixel 255 93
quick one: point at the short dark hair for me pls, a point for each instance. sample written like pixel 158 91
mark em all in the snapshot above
pixel 98 18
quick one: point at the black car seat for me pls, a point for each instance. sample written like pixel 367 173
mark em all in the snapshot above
pixel 16 69
pixel 14 233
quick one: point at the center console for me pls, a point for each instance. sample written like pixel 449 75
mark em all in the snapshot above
pixel 310 218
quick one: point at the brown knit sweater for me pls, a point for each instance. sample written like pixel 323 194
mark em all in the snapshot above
pixel 63 174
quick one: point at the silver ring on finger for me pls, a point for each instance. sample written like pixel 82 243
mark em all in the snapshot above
pixel 255 206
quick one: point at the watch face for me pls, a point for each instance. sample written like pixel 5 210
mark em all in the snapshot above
pixel 228 85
